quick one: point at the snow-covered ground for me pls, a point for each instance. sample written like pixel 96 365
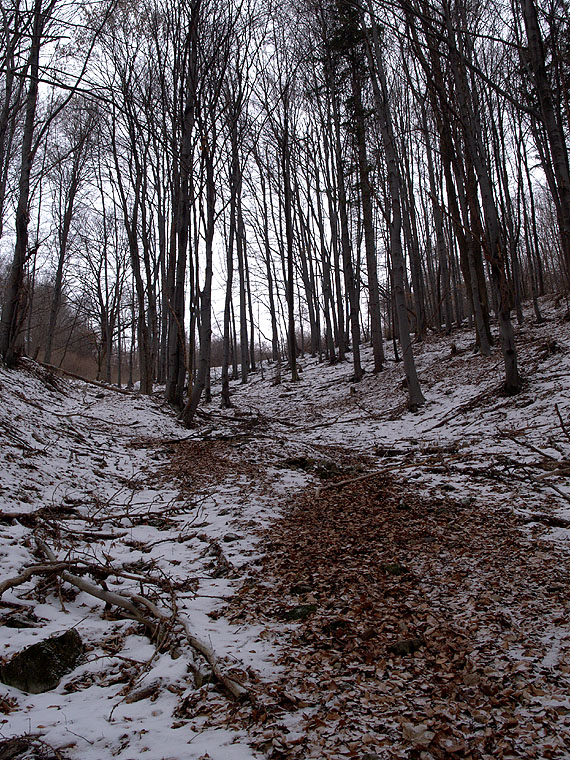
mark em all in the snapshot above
pixel 91 462
pixel 112 481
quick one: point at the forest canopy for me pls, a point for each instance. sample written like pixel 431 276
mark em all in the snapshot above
pixel 201 183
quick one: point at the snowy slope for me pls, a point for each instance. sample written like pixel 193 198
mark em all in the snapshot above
pixel 111 481
pixel 91 461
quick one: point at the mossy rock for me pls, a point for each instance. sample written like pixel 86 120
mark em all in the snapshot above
pixel 40 667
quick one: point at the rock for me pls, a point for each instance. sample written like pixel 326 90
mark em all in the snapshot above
pixel 229 537
pixel 406 646
pixel 39 667
pixel 301 612
pixel 394 568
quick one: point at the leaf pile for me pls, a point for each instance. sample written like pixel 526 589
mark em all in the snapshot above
pixel 420 628
pixel 199 464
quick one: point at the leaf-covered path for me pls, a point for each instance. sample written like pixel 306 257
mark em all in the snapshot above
pixel 424 628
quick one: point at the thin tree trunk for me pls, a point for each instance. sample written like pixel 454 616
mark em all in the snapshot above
pixel 368 224
pixel 415 396
pixel 206 294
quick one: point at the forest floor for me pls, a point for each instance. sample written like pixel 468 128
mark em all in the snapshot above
pixel 372 582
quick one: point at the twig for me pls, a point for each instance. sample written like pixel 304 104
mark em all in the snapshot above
pixel 342 483
pixel 562 425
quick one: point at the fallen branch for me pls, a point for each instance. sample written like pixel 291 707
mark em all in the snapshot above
pixel 20 746
pixel 223 566
pixel 561 493
pixel 525 444
pixel 558 471
pixel 562 425
pixel 30 519
pixel 59 370
pixel 28 573
pixel 550 520
pixel 343 483
pixel 128 603
pixel 462 408
pixel 235 688
pixel 330 423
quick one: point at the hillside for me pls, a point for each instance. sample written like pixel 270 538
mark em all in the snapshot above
pixel 364 581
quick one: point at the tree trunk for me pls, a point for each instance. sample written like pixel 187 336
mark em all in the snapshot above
pixel 415 396
pixel 438 222
pixel 14 307
pixel 206 294
pixel 368 223
pixel 554 128
pixel 494 249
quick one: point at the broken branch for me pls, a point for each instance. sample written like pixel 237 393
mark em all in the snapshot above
pixel 127 603
pixel 343 483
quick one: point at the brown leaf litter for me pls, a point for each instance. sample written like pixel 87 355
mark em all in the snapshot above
pixel 409 627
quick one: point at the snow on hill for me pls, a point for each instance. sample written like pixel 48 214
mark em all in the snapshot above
pixel 109 488
pixel 83 472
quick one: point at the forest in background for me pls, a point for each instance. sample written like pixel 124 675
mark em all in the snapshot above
pixel 197 184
